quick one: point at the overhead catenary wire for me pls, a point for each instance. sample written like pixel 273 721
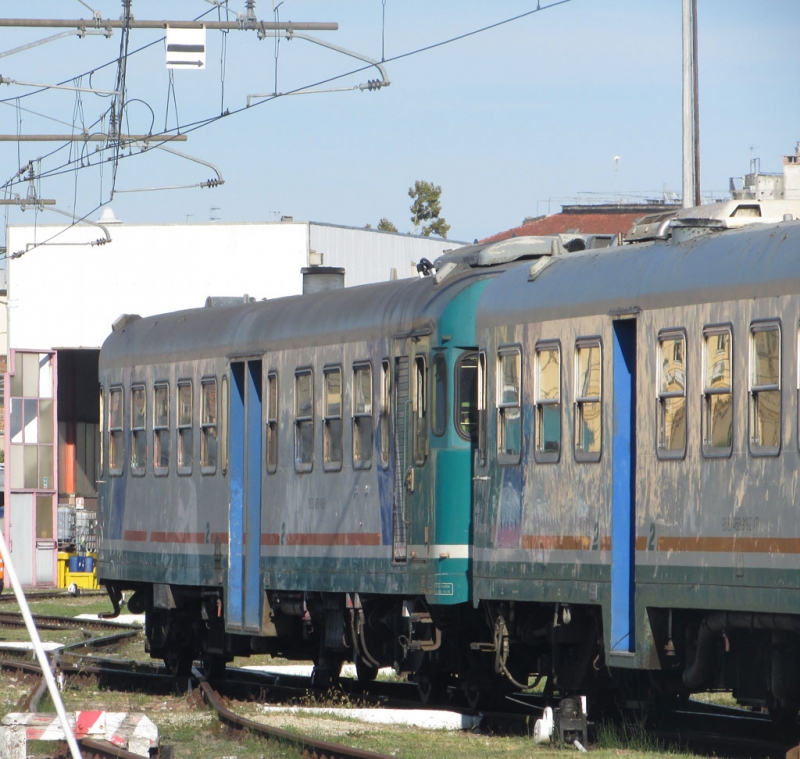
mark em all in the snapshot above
pixel 198 124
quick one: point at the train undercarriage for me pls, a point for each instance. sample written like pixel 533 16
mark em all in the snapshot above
pixel 486 652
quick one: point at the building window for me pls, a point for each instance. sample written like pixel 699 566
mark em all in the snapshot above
pixel 185 421
pixel 420 412
pixel 466 403
pixel 138 429
pixel 386 412
pixel 362 416
pixel 548 402
pixel 439 393
pixel 509 406
pixel 717 392
pixel 208 426
pixel 115 430
pixel 588 400
pixel 304 420
pixel 332 430
pixel 272 422
pixel 671 397
pixel 765 388
pixel 161 429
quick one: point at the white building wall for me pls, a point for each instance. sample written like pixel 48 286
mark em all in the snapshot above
pixel 66 294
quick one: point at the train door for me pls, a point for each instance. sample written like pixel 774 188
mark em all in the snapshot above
pixel 403 472
pixel 245 596
pixel 623 498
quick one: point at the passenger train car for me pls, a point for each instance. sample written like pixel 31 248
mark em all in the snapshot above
pixel 574 466
pixel 294 476
pixel 636 480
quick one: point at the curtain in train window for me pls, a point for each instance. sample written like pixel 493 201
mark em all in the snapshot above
pixel 185 422
pixel 138 429
pixel 588 400
pixel 466 402
pixel 671 395
pixel 509 406
pixel 420 412
pixel 161 429
pixel 548 402
pixel 208 426
pixel 332 430
pixel 385 412
pixel 439 392
pixel 362 416
pixel 304 421
pixel 717 392
pixel 765 388
pixel 115 430
pixel 272 422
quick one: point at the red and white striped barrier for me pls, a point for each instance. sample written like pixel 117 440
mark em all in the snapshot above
pixel 133 732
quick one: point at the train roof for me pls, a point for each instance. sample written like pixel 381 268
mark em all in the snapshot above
pixel 752 262
pixel 397 308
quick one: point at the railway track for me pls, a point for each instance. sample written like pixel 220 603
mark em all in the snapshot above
pixel 50 622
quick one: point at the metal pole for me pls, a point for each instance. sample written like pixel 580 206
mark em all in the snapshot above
pixel 244 24
pixel 696 109
pixel 55 695
pixel 690 160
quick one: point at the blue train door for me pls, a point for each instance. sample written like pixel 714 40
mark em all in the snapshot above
pixel 623 504
pixel 245 595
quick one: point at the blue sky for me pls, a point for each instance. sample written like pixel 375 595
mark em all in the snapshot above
pixel 512 122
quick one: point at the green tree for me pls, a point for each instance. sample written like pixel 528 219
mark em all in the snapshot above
pixel 386 226
pixel 426 207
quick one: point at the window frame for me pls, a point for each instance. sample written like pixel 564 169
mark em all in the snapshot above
pixel 272 427
pixel 160 470
pixel 181 466
pixel 438 426
pixel 299 421
pixel 385 414
pixel 357 416
pixel 503 458
pixel 117 430
pixel 757 450
pixel 329 421
pixel 580 453
pixel 483 410
pixel 458 401
pixel 541 455
pixel 663 453
pixel 709 451
pixel 138 431
pixel 206 426
pixel 420 407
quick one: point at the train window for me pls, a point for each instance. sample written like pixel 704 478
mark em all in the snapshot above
pixel 362 416
pixel 548 402
pixel 466 387
pixel 304 420
pixel 386 409
pixel 671 396
pixel 101 456
pixel 717 392
pixel 115 430
pixel 588 400
pixel 332 429
pixel 509 406
pixel 420 412
pixel 272 422
pixel 765 389
pixel 481 398
pixel 138 429
pixel 185 421
pixel 161 429
pixel 208 426
pixel 439 393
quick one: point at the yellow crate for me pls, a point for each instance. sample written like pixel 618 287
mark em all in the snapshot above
pixel 63 568
pixel 84 580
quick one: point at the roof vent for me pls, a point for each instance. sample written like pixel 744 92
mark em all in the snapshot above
pixel 215 301
pixel 123 321
pixel 108 217
pixel 317 279
pixel 687 229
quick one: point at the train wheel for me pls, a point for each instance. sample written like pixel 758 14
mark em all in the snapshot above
pixel 783 712
pixel 179 663
pixel 214 668
pixel 431 689
pixel 472 694
pixel 365 672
